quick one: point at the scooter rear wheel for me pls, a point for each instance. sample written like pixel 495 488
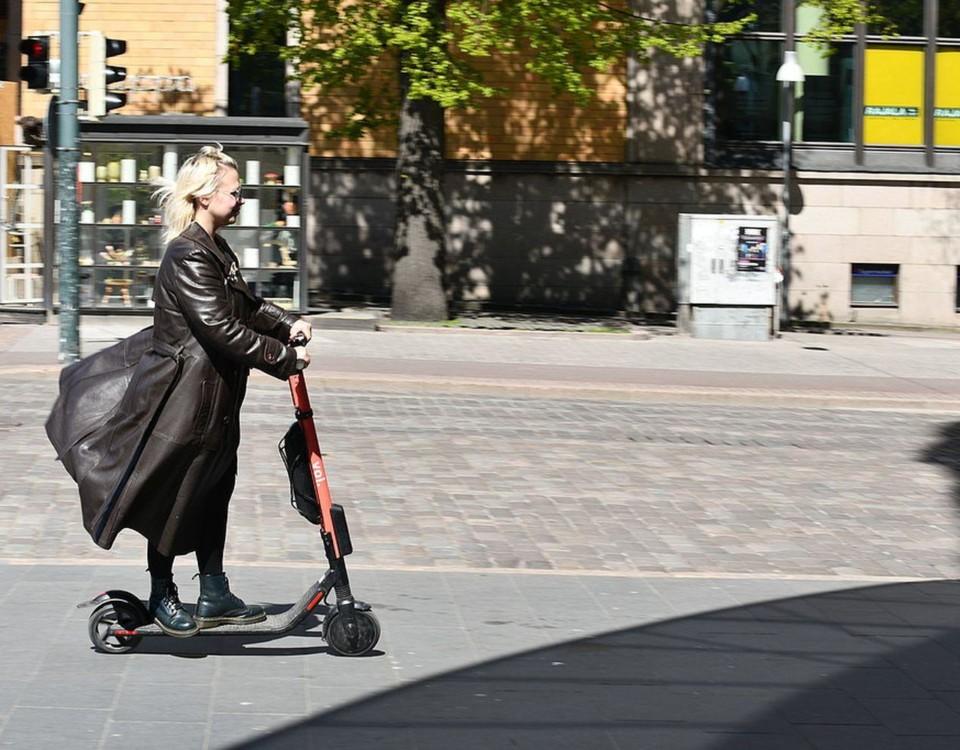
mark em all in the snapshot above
pixel 108 617
pixel 368 633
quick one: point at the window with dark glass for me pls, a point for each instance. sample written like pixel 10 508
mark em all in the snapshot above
pixel 874 284
pixel 906 16
pixel 949 24
pixel 4 24
pixel 893 89
pixel 257 86
pixel 747 92
pixel 956 291
pixel 825 98
pixel 769 13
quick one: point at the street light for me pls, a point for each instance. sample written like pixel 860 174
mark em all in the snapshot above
pixel 788 74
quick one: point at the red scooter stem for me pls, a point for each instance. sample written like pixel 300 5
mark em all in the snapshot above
pixel 301 402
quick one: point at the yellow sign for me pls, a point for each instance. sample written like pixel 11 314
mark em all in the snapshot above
pixel 893 97
pixel 946 111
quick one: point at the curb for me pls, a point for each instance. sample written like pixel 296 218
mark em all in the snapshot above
pixel 709 575
pixel 625 335
pixel 515 388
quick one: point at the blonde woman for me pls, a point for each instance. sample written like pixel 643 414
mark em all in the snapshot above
pixel 149 428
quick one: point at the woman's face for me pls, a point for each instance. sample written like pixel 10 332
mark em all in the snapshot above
pixel 224 205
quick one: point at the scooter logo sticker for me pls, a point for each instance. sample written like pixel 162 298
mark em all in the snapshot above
pixel 318 476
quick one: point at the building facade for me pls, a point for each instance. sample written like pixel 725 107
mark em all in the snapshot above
pixel 557 206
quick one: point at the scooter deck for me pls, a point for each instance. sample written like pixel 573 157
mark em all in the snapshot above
pixel 273 625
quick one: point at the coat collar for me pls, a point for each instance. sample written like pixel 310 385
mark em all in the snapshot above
pixel 216 245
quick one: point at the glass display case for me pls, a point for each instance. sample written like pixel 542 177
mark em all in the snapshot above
pixel 21 227
pixel 121 225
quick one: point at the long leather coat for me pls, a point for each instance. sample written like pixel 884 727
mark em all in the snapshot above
pixel 138 424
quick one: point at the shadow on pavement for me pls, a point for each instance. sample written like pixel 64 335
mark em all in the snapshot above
pixel 210 642
pixel 875 667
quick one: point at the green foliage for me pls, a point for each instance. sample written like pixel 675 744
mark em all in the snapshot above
pixel 358 46
pixel 840 17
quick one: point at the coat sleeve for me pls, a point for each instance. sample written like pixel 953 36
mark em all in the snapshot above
pixel 272 320
pixel 204 304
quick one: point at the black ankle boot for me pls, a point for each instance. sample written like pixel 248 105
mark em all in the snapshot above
pixel 217 606
pixel 167 611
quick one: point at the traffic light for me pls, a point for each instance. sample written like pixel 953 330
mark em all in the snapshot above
pixel 100 99
pixel 36 73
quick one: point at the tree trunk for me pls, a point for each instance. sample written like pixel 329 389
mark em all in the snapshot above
pixel 420 238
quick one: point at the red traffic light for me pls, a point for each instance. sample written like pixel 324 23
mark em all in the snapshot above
pixel 36 48
pixel 36 73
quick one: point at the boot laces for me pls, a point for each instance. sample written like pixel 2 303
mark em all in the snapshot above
pixel 171 599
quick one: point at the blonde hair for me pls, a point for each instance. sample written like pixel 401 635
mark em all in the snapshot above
pixel 198 177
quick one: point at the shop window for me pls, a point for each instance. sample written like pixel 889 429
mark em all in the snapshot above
pixel 893 96
pixel 874 284
pixel 956 291
pixel 257 86
pixel 946 112
pixel 747 92
pixel 769 13
pixel 905 15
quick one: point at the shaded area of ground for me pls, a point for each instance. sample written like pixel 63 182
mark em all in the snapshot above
pixel 875 667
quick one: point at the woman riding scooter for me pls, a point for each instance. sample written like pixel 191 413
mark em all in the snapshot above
pixel 163 460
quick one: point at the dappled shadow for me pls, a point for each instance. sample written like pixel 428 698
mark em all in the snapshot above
pixel 527 235
pixel 548 206
pixel 875 667
pixel 529 121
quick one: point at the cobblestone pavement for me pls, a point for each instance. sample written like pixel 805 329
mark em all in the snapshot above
pixel 457 482
pixel 549 571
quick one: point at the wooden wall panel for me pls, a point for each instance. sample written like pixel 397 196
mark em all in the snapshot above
pixel 168 39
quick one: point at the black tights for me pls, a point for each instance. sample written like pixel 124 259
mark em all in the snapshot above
pixel 209 556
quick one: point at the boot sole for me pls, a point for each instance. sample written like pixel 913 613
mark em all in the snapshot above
pixel 204 623
pixel 176 633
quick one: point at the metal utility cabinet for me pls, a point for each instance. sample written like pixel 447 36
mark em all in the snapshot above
pixel 728 276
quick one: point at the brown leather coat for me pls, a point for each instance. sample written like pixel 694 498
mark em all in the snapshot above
pixel 133 421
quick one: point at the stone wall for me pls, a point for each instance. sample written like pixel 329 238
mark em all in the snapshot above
pixel 603 237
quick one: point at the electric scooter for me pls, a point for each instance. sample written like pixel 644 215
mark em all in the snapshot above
pixel 120 621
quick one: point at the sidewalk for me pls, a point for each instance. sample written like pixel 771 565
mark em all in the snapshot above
pixel 480 660
pixel 571 540
pixel 804 369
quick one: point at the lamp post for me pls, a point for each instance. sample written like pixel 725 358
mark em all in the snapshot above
pixel 788 74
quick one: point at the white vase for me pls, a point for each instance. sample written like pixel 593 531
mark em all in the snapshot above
pixel 129 215
pixel 170 164
pixel 250 213
pixel 128 170
pixel 87 171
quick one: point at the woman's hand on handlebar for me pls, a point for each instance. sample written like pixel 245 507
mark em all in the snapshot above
pixel 303 357
pixel 300 333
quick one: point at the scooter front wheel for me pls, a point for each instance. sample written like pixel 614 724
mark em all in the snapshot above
pixel 106 619
pixel 339 640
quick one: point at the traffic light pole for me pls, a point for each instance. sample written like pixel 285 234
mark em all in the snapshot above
pixel 68 157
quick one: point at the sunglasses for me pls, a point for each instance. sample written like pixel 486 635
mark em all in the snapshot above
pixel 237 194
